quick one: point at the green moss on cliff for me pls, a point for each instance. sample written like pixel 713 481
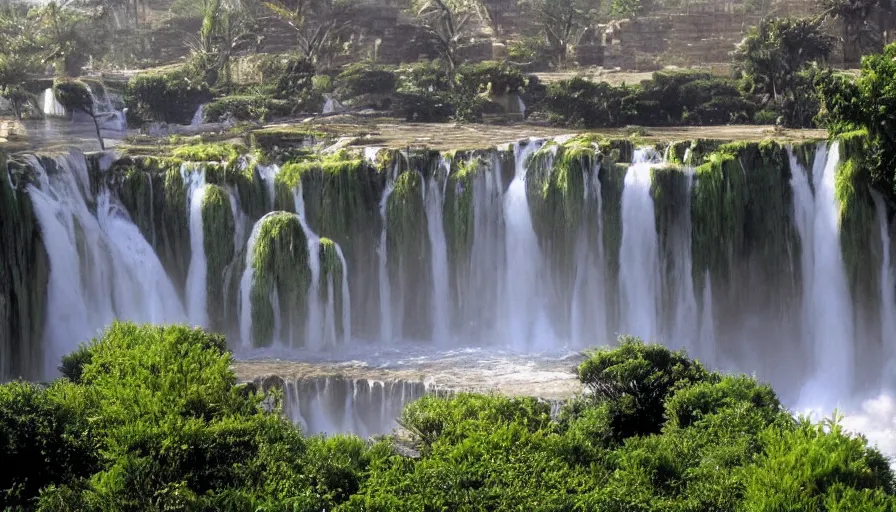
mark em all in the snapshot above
pixel 409 259
pixel 859 233
pixel 742 211
pixel 331 275
pixel 210 152
pixel 281 272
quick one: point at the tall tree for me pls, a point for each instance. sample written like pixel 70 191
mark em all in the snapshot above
pixel 861 34
pixel 450 24
pixel 19 55
pixel 564 22
pixel 228 28
pixel 69 36
pixel 75 95
pixel 320 26
pixel 773 54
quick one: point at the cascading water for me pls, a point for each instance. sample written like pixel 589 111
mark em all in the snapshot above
pixel 199 116
pixel 101 266
pixel 827 310
pixel 332 405
pixel 197 276
pixel 441 312
pixel 887 290
pixel 490 272
pixel 386 318
pixel 588 316
pixel 50 106
pixel 524 316
pixel 639 273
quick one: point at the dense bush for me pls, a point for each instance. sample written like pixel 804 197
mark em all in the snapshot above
pixel 151 418
pixel 867 103
pixel 495 77
pixel 362 79
pixel 247 108
pixel 288 78
pixel 668 99
pixel 171 97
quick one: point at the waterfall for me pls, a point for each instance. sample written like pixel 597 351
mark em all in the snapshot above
pixel 197 276
pixel 707 348
pixel 199 116
pixel 315 328
pixel 386 319
pixel 101 267
pixel 684 318
pixel 346 299
pixel 113 119
pixel 50 106
pixel 887 290
pixel 246 287
pixel 524 318
pixel 332 405
pixel 588 317
pixel 434 201
pixel 639 279
pixel 827 311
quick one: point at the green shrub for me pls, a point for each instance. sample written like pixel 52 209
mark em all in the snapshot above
pixel 491 76
pixel 288 78
pixel 636 379
pixel 151 418
pixel 247 108
pixel 170 97
pixel 45 439
pixel 362 79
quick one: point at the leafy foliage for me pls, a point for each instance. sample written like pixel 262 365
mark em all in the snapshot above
pixel 320 27
pixel 449 24
pixel 867 103
pixel 773 55
pixel 668 99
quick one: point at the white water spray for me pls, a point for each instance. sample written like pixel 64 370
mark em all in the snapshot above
pixel 441 298
pixel 197 276
pixel 524 317
pixel 827 311
pixel 639 273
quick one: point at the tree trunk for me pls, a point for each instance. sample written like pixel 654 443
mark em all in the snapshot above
pixel 99 136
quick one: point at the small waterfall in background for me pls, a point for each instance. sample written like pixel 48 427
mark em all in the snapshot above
pixel 50 106
pixel 827 309
pixel 199 116
pixel 332 405
pixel 639 272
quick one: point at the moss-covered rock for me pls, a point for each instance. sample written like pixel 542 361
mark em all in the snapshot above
pixel 280 280
pixel 859 231
pixel 409 254
pixel 743 229
pixel 24 277
pixel 331 276
pixel 219 226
